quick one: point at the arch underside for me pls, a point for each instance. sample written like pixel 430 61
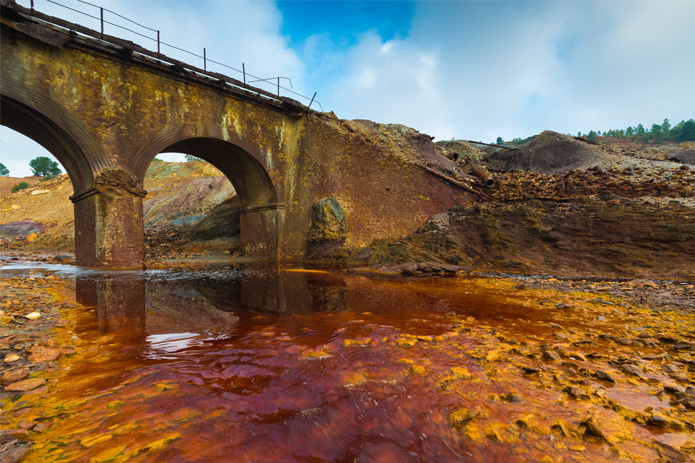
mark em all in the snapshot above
pixel 249 178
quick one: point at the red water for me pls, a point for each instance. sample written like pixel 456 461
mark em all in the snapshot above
pixel 306 367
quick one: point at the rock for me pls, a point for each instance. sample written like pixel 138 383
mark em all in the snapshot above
pixel 607 427
pixel 671 454
pixel 671 368
pixel 462 416
pixel 33 315
pixel 40 427
pixel 632 370
pixel 13 376
pixel 11 358
pixel 14 434
pixel 681 345
pixel 530 370
pixel 327 221
pixel 551 355
pixel 605 376
pixel 662 421
pixel 20 229
pixel 12 450
pixel 576 392
pixel 25 385
pixel 515 398
pixel 27 425
pixel 43 354
pixel 680 376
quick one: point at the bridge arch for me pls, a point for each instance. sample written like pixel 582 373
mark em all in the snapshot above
pixel 256 183
pixel 60 132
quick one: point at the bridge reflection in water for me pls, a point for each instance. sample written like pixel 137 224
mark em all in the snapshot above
pixel 142 305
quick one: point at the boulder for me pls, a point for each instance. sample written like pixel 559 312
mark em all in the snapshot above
pixel 327 221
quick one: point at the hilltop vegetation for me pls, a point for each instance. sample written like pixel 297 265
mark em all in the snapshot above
pixel 658 133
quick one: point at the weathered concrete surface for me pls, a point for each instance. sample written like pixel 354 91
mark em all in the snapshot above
pixel 105 113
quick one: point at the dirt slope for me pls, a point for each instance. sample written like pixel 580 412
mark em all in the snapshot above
pixel 179 195
pixel 6 183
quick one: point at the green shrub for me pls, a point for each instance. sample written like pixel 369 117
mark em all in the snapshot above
pixel 20 186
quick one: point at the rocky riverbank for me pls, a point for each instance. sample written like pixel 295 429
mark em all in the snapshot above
pixel 34 345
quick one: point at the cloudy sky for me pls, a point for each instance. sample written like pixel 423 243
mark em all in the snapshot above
pixel 452 69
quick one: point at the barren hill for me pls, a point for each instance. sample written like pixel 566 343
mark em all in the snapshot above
pixel 556 204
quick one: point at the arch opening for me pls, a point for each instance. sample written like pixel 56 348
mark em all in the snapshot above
pixel 250 179
pixel 245 222
pixel 40 217
pixel 51 136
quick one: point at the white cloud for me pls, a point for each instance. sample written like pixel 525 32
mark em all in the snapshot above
pixel 484 69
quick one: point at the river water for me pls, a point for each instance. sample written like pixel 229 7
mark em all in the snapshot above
pixel 290 365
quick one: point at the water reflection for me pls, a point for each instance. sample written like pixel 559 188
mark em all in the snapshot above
pixel 119 301
pixel 145 304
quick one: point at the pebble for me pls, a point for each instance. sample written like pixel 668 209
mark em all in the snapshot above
pixel 13 376
pixel 632 370
pixel 605 376
pixel 12 358
pixel 33 315
pixel 25 385
pixel 42 354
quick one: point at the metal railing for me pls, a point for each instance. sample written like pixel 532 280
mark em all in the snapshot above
pixel 155 36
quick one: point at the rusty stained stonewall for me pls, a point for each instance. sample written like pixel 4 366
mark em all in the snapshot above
pixel 106 107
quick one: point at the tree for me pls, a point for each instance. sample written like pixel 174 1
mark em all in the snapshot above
pixel 499 140
pixel 666 128
pixel 592 136
pixel 656 132
pixel 190 158
pixel 4 171
pixel 629 131
pixel 640 132
pixel 44 167
pixel 687 131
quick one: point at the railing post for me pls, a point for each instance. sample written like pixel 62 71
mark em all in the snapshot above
pixel 205 61
pixel 32 6
pixel 102 22
pixel 157 43
pixel 278 86
pixel 312 100
pixel 243 69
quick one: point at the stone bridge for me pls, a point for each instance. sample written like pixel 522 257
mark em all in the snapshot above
pixel 105 107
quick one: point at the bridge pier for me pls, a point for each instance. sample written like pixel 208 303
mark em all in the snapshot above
pixel 260 230
pixel 109 229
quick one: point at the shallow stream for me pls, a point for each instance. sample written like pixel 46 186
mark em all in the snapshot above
pixel 289 365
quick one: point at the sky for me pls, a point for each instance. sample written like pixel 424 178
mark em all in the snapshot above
pixel 473 70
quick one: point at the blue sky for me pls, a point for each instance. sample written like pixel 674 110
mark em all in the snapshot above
pixel 452 69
